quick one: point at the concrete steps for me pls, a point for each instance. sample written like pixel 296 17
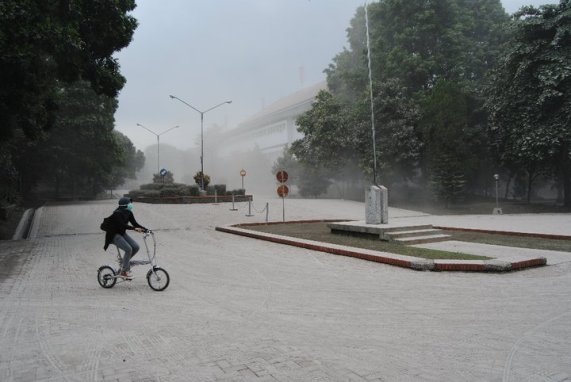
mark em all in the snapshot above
pixel 403 234
pixel 433 238
pixel 414 235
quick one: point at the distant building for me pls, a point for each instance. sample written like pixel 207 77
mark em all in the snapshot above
pixel 255 144
pixel 272 128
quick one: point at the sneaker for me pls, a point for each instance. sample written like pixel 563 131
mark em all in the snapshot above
pixel 127 275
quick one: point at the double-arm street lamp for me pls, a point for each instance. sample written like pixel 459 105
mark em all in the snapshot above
pixel 158 141
pixel 201 131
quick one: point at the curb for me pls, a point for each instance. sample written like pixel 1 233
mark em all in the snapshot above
pixel 414 263
pixel 23 229
pixel 513 233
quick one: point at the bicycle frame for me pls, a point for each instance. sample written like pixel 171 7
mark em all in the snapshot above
pixel 151 257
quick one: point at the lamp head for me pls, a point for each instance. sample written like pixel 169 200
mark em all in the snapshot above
pixel 172 97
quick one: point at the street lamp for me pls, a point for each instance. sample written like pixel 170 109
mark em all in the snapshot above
pixel 201 132
pixel 497 210
pixel 158 141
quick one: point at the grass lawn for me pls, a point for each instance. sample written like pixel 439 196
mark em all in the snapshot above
pixel 321 232
pixel 513 241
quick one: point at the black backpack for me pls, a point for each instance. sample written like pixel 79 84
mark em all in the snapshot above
pixel 107 224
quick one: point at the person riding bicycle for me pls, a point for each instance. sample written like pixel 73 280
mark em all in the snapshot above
pixel 117 234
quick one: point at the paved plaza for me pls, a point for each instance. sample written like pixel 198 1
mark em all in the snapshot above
pixel 240 309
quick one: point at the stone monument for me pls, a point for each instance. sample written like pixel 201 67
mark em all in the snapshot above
pixel 377 205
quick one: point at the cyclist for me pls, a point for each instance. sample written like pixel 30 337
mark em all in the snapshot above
pixel 116 234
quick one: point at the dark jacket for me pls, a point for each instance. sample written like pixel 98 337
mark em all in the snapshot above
pixel 119 224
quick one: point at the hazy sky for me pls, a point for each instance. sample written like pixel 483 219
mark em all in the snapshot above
pixel 205 52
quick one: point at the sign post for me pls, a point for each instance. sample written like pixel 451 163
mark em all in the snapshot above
pixel 243 174
pixel 283 189
pixel 163 173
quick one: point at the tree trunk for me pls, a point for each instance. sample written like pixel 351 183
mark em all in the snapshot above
pixel 508 184
pixel 529 183
pixel 566 188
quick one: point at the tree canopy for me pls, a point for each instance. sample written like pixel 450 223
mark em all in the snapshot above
pixel 415 46
pixel 530 94
pixel 47 48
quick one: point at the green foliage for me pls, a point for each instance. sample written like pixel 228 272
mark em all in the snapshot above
pixel 194 190
pixel 414 45
pixel 220 189
pixel 168 178
pixel 81 154
pixel 313 182
pixel 288 162
pixel 42 43
pixel 529 97
pixel 202 180
pixel 448 180
pixel 45 48
pixel 453 147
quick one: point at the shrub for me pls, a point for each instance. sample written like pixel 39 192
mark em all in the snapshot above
pixel 144 194
pixel 193 190
pixel 198 179
pixel 170 192
pixel 168 178
pixel 151 186
pixel 220 189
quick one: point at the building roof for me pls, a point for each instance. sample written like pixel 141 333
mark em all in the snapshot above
pixel 283 106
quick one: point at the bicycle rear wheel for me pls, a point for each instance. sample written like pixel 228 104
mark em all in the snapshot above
pixel 106 276
pixel 158 279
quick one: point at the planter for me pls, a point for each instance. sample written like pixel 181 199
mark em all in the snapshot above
pixel 193 199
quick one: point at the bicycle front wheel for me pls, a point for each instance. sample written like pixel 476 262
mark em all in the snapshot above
pixel 106 276
pixel 158 279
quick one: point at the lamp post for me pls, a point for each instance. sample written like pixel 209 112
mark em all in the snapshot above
pixel 158 141
pixel 497 210
pixel 201 132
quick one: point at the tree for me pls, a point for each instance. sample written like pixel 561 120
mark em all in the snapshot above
pixel 82 152
pixel 129 161
pixel 44 44
pixel 453 148
pixel 530 95
pixel 328 139
pixel 202 180
pixel 414 45
pixel 288 162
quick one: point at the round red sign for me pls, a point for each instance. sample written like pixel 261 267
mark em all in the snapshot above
pixel 282 176
pixel 283 190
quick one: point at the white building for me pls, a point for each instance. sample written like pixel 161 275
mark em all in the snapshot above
pixel 272 128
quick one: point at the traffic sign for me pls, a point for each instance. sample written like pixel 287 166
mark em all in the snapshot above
pixel 282 176
pixel 242 172
pixel 163 172
pixel 283 190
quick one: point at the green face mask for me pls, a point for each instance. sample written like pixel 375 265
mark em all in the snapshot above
pixel 130 206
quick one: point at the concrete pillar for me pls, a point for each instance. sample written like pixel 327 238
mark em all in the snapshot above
pixel 377 205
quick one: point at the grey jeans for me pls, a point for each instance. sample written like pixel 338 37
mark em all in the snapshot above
pixel 129 246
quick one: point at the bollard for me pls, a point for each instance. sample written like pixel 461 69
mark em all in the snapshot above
pixel 267 210
pixel 249 208
pixel 233 208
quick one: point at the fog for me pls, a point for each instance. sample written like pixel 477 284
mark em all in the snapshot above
pixel 252 52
